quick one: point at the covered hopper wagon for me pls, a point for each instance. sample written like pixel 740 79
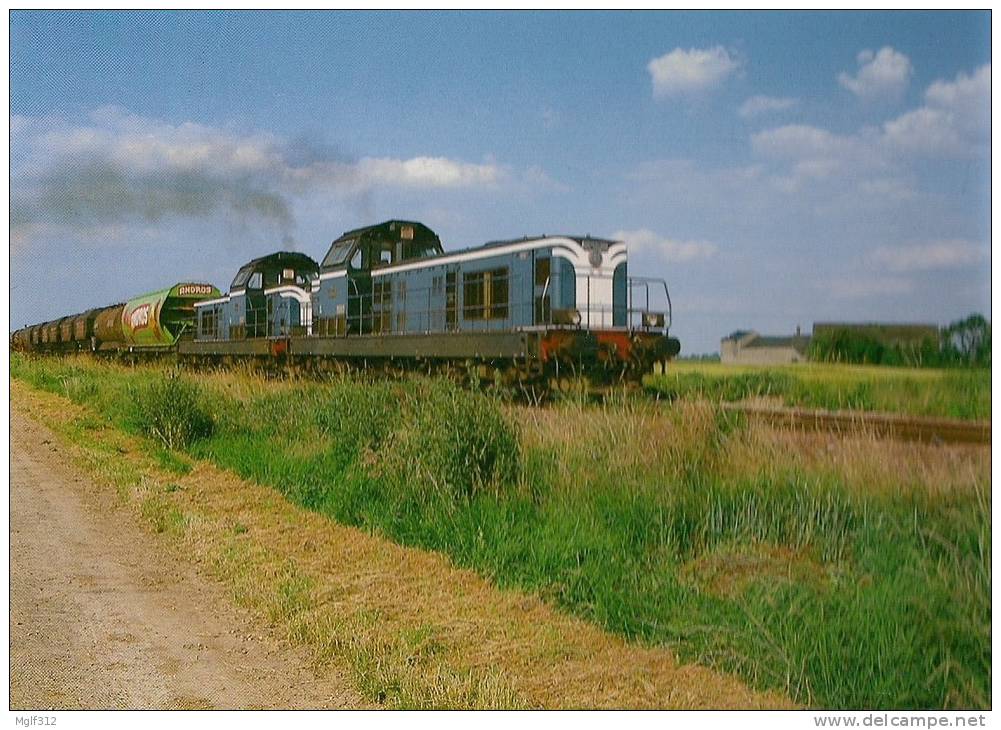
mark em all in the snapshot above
pixel 151 323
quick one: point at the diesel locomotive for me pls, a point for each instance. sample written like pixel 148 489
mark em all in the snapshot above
pixel 388 296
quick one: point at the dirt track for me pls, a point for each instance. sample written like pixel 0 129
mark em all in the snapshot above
pixel 101 618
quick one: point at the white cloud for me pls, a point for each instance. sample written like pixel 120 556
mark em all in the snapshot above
pixel 696 69
pixel 954 120
pixel 116 167
pixel 757 105
pixel 881 75
pixel 888 188
pixel 933 256
pixel 536 178
pixel 670 250
pixel 435 172
pixel 802 154
pixel 968 94
pixel 925 131
pixel 865 287
pixel 801 141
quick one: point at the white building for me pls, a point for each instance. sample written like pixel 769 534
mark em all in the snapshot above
pixel 747 347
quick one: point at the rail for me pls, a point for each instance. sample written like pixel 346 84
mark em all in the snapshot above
pixel 861 423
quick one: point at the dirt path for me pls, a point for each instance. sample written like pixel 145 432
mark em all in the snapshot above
pixel 101 618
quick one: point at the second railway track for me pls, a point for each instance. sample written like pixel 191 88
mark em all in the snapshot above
pixel 884 425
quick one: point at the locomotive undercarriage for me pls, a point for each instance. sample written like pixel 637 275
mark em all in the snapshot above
pixel 530 361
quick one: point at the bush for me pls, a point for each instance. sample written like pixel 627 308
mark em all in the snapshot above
pixel 172 410
pixel 457 442
pixel 358 416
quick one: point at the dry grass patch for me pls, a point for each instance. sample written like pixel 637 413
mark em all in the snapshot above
pixel 663 443
pixel 863 463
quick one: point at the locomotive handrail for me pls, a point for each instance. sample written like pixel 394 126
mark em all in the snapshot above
pixel 382 311
pixel 542 300
pixel 647 281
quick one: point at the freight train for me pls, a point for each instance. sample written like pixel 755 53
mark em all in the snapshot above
pixel 388 296
pixel 149 324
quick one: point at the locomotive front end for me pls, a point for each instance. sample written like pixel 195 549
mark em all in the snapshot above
pixel 605 325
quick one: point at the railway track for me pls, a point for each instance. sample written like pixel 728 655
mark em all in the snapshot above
pixel 884 425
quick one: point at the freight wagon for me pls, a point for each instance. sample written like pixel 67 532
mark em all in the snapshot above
pixel 151 323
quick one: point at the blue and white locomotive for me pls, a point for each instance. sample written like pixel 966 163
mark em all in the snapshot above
pixel 390 295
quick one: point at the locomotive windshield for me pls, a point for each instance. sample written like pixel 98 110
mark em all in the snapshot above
pixel 241 277
pixel 339 253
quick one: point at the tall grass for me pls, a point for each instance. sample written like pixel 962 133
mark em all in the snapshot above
pixel 172 410
pixel 630 515
pixel 955 393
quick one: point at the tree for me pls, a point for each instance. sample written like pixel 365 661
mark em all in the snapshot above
pixel 968 341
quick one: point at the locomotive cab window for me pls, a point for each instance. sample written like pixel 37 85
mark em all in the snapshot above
pixel 485 294
pixel 256 281
pixel 418 251
pixel 339 253
pixel 241 278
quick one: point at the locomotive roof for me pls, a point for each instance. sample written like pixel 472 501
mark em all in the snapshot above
pixel 420 241
pixel 342 247
pixel 391 224
pixel 582 240
pixel 282 257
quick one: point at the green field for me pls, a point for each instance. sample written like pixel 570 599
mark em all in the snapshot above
pixel 852 574
pixel 953 393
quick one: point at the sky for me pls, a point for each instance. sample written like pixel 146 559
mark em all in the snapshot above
pixel 775 168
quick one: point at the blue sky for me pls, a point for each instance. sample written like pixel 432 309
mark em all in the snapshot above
pixel 775 168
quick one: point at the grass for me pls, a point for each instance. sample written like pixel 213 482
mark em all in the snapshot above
pixel 849 575
pixel 410 629
pixel 953 393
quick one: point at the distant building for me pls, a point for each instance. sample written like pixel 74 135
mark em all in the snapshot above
pixel 747 347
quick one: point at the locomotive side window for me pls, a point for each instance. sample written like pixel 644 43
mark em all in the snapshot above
pixel 541 271
pixel 256 280
pixel 209 323
pixel 472 296
pixel 450 300
pixel 498 294
pixel 382 304
pixel 485 294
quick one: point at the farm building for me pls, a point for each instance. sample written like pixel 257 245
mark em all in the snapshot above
pixel 748 347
